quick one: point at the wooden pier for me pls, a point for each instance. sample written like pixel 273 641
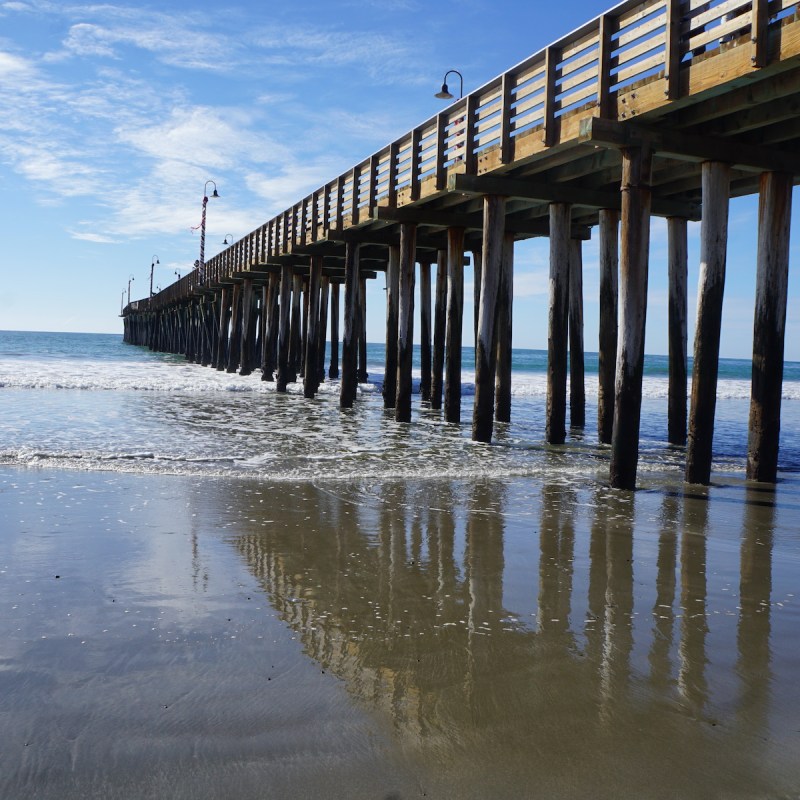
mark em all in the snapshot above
pixel 661 107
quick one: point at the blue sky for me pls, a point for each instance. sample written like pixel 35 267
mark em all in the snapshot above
pixel 115 115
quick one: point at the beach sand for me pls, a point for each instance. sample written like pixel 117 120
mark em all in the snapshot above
pixel 173 636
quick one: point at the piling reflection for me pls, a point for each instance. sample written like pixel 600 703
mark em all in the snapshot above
pixel 401 593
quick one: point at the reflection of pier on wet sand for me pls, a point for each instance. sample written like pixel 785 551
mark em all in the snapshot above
pixel 537 650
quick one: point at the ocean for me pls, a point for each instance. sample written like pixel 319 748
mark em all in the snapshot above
pixel 208 589
pixel 89 401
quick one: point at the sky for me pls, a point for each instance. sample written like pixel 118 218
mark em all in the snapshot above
pixel 114 116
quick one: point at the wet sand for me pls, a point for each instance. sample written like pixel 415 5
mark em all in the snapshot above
pixel 167 636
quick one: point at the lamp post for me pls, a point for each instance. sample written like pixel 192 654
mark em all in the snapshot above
pixel 445 93
pixel 153 262
pixel 201 264
pixel 130 278
pixel 225 240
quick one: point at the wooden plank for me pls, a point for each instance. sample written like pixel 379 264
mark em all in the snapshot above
pixel 713 246
pixel 674 50
pixel 441 150
pixel 413 168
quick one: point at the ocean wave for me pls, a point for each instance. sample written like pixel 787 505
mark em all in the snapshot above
pixel 183 378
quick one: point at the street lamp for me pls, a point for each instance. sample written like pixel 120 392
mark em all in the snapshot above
pixel 130 278
pixel 445 94
pixel 153 262
pixel 225 240
pixel 201 264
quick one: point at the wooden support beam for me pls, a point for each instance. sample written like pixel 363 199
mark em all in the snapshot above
pixel 759 33
pixel 439 330
pixel 221 354
pixel 235 342
pixel 352 325
pixel 284 331
pixel 774 221
pixel 425 329
pixel 295 331
pixel 713 255
pixel 634 253
pixel 677 256
pixel 486 342
pixel 248 329
pixel 311 374
pixel 577 388
pixel 333 369
pixel 606 106
pixel 607 347
pixel 453 337
pixel 505 302
pixel 405 334
pixel 477 270
pixel 556 406
pixel 551 192
pixel 689 147
pixel 322 327
pixel 392 310
pixel 363 375
pixel 274 327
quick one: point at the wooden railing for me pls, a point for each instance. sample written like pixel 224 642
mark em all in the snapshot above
pixel 634 43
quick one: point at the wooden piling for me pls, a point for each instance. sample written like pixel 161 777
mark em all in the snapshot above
pixel 392 311
pixel 246 349
pixel 556 405
pixel 505 303
pixel 311 377
pixel 333 371
pixel 439 330
pixel 295 335
pixel 677 256
pixel 425 330
pixel 284 332
pixel 454 334
pixel 324 294
pixel 221 357
pixel 352 325
pixel 577 388
pixel 268 360
pixel 633 269
pixel 772 275
pixel 713 254
pixel 405 331
pixel 306 305
pixel 235 342
pixel 263 329
pixel 607 346
pixel 477 264
pixel 363 375
pixel 486 343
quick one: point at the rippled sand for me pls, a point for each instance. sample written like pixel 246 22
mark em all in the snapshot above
pixel 173 636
